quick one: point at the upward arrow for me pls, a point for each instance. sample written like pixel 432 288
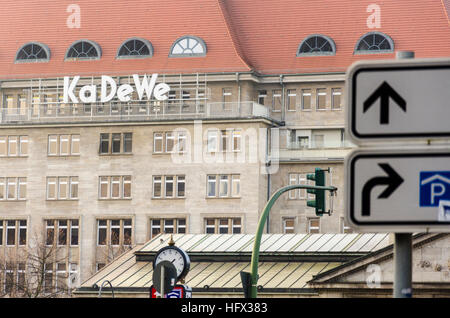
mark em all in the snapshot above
pixel 384 92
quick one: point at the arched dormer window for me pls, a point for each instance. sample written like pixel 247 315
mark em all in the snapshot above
pixel 189 46
pixel 135 48
pixel 316 44
pixel 33 52
pixel 83 50
pixel 374 42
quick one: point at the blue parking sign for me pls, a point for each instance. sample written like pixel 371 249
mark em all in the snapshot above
pixel 434 187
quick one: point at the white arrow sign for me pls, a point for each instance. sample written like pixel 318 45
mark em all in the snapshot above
pixel 398 191
pixel 398 99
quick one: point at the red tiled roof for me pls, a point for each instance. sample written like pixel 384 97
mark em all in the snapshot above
pixel 241 35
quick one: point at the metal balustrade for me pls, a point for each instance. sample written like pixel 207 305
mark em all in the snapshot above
pixel 138 111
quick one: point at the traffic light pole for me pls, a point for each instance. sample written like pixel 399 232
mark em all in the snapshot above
pixel 261 223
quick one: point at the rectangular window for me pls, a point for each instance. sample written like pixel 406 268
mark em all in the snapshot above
pixel 211 186
pixel 313 225
pixel 170 141
pixel 104 187
pixel 52 145
pixel 2 188
pixel 174 226
pixel 262 94
pixel 127 187
pixel 225 140
pixel 49 232
pixel 12 146
pixel 235 185
pixel 104 143
pixel 22 232
pixel 291 99
pixel 74 232
pixel 115 144
pixel 276 100
pixel 10 232
pixel 306 99
pixel 321 98
pixel 293 180
pixel 51 188
pixel 127 142
pixel 73 187
pixel 181 145
pixel 23 146
pixel 1 232
pixel 288 225
pixel 223 186
pixel 63 189
pixel 62 232
pixel 236 134
pixel 181 186
pixel 157 186
pixel 127 232
pixel 336 98
pixel 64 145
pixel 75 146
pixel 168 191
pixel 3 146
pixel 158 142
pixel 155 227
pixel 226 98
pixel 210 226
pixel 223 226
pixel 101 232
pixel 22 195
pixel 236 225
pixel 115 187
pixel 212 141
pixel 11 188
pixel 115 232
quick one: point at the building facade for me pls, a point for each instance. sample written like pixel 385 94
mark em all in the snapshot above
pixel 196 127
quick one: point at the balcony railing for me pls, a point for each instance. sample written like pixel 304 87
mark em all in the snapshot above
pixel 327 150
pixel 148 111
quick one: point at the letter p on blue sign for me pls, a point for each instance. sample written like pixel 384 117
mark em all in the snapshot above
pixel 434 186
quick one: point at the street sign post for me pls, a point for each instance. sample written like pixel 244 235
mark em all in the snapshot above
pixel 401 191
pixel 398 99
pixel 398 190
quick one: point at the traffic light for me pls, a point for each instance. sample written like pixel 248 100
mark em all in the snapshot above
pixel 319 203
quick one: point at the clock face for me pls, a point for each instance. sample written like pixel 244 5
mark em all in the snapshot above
pixel 174 256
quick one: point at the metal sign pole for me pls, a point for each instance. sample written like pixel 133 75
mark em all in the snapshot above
pixel 403 244
pixel 163 274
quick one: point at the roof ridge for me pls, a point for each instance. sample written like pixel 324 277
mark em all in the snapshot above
pixel 232 33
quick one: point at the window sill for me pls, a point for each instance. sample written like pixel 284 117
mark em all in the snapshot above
pixel 176 198
pixel 118 199
pixel 62 200
pixel 15 200
pixel 115 154
pixel 226 198
pixel 63 156
pixel 14 156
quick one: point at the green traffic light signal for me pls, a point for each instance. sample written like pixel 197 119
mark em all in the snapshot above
pixel 319 202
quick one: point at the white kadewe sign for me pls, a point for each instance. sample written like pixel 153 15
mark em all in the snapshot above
pixel 88 93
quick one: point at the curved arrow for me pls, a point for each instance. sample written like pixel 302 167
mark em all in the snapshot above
pixel 392 180
pixel 384 92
